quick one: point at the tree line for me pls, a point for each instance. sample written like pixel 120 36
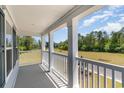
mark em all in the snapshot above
pixel 28 43
pixel 98 41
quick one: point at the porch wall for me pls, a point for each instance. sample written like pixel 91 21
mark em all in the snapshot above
pixel 11 77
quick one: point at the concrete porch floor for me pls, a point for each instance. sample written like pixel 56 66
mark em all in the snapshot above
pixel 32 76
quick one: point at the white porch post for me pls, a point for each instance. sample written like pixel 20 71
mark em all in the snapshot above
pixel 72 53
pixel 42 46
pixel 43 43
pixel 51 49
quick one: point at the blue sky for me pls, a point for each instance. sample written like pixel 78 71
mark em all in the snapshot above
pixel 60 35
pixel 37 38
pixel 109 18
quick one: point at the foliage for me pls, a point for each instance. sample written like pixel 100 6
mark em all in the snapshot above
pixel 62 45
pixel 98 41
pixel 28 43
pixel 94 41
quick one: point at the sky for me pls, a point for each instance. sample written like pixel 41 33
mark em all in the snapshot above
pixel 109 18
pixel 60 35
pixel 37 38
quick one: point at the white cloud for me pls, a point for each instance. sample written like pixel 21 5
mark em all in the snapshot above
pixel 121 15
pixel 65 28
pixel 93 19
pixel 121 20
pixel 103 20
pixel 107 12
pixel 111 27
pixel 113 7
pixel 103 16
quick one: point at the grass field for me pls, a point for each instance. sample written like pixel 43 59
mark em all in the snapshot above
pixel 30 57
pixel 34 56
pixel 113 58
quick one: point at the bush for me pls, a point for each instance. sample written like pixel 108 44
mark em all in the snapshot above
pixel 22 48
pixel 122 48
pixel 118 49
pixel 83 47
pixel 107 47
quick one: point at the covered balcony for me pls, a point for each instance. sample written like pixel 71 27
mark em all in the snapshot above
pixel 56 70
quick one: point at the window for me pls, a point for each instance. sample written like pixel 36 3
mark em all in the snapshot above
pixel 8 35
pixel 8 47
pixel 14 48
pixel 9 60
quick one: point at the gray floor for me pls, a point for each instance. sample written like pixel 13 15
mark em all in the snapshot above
pixel 32 77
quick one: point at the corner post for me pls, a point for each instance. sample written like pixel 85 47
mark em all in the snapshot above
pixel 51 50
pixel 72 54
pixel 42 46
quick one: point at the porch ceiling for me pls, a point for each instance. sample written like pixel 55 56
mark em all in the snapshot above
pixel 32 20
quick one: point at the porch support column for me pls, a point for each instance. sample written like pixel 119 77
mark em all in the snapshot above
pixel 51 49
pixel 72 54
pixel 43 43
pixel 42 47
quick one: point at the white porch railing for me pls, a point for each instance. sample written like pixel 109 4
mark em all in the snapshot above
pixel 97 73
pixel 60 64
pixel 45 58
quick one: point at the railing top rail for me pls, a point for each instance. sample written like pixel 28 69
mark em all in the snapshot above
pixel 60 54
pixel 102 64
pixel 94 62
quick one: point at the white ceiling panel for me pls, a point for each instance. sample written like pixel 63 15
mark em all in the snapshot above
pixel 33 19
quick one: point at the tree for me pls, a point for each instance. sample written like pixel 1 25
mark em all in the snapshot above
pixel 39 43
pixel 80 42
pixel 98 41
pixel 28 43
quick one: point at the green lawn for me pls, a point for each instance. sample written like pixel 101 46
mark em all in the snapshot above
pixel 113 58
pixel 34 56
pixel 30 57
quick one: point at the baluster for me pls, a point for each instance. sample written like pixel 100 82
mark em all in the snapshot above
pixel 62 62
pixel 92 76
pixel 57 62
pixel 80 76
pixel 98 76
pixel 113 79
pixel 64 67
pixel 123 79
pixel 84 74
pixel 56 57
pixel 87 75
pixel 105 78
